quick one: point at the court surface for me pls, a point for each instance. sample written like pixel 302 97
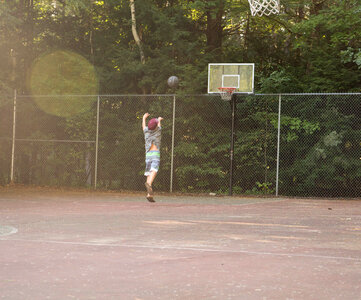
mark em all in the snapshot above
pixel 61 244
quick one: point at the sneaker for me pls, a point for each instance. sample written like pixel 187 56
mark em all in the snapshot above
pixel 150 199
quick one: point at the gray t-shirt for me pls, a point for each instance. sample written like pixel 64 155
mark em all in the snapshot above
pixel 152 137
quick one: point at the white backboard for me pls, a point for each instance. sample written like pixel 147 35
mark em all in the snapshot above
pixel 231 75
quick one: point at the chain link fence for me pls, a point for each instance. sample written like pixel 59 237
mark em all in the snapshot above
pixel 294 144
pixel 320 147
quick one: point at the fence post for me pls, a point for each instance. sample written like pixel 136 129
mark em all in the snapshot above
pixel 172 155
pixel 96 145
pixel 278 141
pixel 13 141
pixel 231 167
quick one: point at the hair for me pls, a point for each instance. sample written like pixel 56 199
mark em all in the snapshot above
pixel 152 124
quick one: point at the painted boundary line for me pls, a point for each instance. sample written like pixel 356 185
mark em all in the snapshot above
pixel 7 230
pixel 202 200
pixel 289 255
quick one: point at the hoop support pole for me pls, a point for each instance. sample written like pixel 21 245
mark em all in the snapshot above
pixel 172 155
pixel 231 167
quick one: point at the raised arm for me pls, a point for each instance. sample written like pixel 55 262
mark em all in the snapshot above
pixel 145 116
pixel 159 119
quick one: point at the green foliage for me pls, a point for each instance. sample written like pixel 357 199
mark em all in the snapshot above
pixel 327 42
pixel 293 126
pixel 263 188
pixel 304 49
pixel 321 157
pixel 351 55
pixel 280 82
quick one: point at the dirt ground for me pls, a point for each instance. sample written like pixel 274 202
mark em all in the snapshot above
pixel 82 244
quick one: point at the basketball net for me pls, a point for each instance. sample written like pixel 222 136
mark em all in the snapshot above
pixel 264 7
pixel 226 93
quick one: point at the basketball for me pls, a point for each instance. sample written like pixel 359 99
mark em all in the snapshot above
pixel 173 82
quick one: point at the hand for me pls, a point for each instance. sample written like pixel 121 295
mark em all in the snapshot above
pixel 160 119
pixel 146 115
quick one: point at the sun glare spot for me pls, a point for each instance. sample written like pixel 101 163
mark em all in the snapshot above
pixel 59 80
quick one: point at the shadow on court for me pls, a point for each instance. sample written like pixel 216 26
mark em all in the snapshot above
pixel 58 244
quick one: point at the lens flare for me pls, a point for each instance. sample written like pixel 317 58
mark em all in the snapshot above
pixel 59 80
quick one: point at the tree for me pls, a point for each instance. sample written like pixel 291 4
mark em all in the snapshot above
pixel 135 33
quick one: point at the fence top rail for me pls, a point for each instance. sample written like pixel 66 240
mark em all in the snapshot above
pixel 47 140
pixel 171 95
pixel 309 94
pixel 100 95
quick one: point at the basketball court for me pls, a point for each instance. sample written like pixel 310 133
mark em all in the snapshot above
pixel 85 244
pixel 61 244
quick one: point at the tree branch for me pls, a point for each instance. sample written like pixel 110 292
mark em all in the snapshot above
pixel 135 33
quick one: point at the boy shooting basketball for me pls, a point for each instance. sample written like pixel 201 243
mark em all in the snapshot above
pixel 152 137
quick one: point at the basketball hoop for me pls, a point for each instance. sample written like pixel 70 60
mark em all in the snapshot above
pixel 226 93
pixel 264 7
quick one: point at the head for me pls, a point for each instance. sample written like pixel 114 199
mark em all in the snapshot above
pixel 152 124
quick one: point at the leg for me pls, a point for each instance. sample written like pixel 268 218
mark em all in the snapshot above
pixel 151 177
pixel 148 185
pixel 152 166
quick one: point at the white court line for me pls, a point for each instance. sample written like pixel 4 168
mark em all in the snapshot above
pixel 290 255
pixel 226 201
pixel 7 230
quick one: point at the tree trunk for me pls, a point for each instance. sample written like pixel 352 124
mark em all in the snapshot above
pixel 214 26
pixel 135 33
